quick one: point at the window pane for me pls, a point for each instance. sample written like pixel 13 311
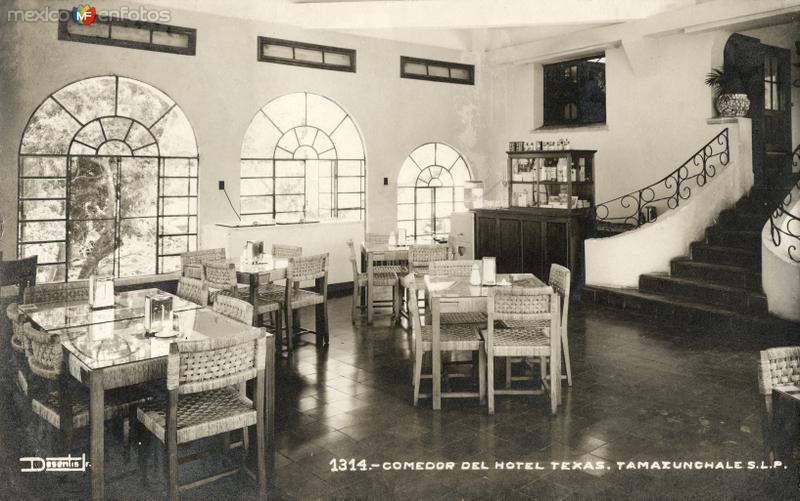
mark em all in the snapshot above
pixel 438 71
pixel 35 232
pixel 314 56
pixel 337 59
pixel 290 186
pixel 349 184
pixel 93 193
pixel 405 195
pixel 459 73
pixel 43 209
pixel 138 191
pixel 174 225
pixel 170 39
pixel 290 168
pixel 91 248
pixel 130 33
pixel 256 187
pixel 256 205
pixel 175 206
pixel 175 186
pixel 348 201
pixel 48 253
pixel 52 273
pixel 351 215
pixel 280 51
pixel 405 212
pixel 138 247
pixel 416 69
pixel 350 167
pixel 44 166
pixel 174 245
pixel 285 203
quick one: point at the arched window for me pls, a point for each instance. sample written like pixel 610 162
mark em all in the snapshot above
pixel 302 158
pixel 107 181
pixel 430 187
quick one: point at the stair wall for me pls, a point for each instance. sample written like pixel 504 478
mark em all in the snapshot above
pixel 618 261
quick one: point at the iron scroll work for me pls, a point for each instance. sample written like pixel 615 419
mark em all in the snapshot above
pixel 790 227
pixel 643 206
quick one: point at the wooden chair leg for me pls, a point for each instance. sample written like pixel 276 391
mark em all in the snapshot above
pixel 226 442
pixel 543 369
pixel 417 374
pixel 508 372
pixel 565 348
pixel 172 468
pixel 354 309
pixel 490 383
pixel 289 315
pixel 325 323
pixel 482 374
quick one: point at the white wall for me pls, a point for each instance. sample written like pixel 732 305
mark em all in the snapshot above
pixel 780 275
pixel 223 86
pixel 619 260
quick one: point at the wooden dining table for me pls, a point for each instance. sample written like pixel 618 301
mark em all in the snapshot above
pixel 107 349
pixel 446 293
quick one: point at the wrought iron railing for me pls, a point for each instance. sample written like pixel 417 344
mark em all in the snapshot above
pixel 643 206
pixel 782 223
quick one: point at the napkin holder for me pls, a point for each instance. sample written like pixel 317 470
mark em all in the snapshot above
pixel 157 313
pixel 252 251
pixel 489 267
pixel 402 236
pixel 101 292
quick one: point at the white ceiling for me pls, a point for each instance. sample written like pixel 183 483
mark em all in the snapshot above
pixel 457 24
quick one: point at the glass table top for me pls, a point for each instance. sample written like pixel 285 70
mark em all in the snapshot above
pixel 58 315
pixel 459 287
pixel 124 341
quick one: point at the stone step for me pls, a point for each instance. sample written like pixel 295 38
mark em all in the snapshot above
pixel 736 298
pixel 741 239
pixel 690 315
pixel 731 219
pixel 734 276
pixel 705 253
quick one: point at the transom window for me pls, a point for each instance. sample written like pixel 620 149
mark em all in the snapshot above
pixel 107 182
pixel 430 187
pixel 302 160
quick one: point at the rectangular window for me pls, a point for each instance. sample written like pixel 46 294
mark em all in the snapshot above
pixel 575 92
pixel 437 71
pixel 127 33
pixel 275 50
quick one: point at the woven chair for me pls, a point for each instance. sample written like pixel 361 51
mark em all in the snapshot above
pixel 17 320
pixel 57 292
pixel 420 256
pixel 19 272
pixel 286 251
pixel 380 279
pixel 292 297
pixel 377 238
pixel 66 407
pixel 193 290
pixel 522 310
pixel 234 308
pixel 192 262
pixel 203 400
pixel 220 276
pixel 452 338
pixel 469 311
pixel 777 367
pixel 559 280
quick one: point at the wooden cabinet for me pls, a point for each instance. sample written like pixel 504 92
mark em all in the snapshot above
pixel 530 239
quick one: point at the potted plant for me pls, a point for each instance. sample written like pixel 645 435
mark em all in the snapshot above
pixel 731 99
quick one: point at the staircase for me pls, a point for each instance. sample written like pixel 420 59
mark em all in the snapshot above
pixel 718 286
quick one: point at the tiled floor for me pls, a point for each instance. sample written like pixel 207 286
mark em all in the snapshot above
pixel 642 392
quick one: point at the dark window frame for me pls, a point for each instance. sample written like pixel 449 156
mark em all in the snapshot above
pixel 63 34
pixel 553 100
pixel 469 68
pixel 293 44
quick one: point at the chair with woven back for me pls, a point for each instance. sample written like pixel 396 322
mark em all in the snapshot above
pixel 286 251
pixel 468 311
pixel 398 267
pixel 559 280
pixel 58 399
pixel 192 262
pixel 421 256
pixel 515 328
pixel 234 308
pixel 361 280
pixel 193 290
pixel 292 297
pixel 452 338
pixel 57 292
pixel 203 400
pixel 777 367
pixel 20 273
pixel 220 276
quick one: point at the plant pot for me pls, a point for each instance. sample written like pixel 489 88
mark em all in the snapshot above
pixel 733 105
